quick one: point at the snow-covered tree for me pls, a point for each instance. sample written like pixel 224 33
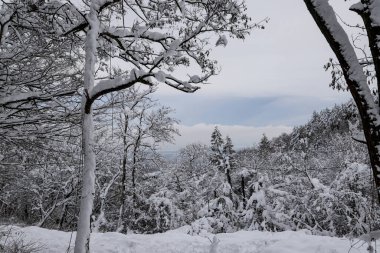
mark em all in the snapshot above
pixel 153 41
pixel 229 159
pixel 190 178
pixel 126 42
pixel 39 73
pixel 218 209
pixel 352 67
pixel 39 183
pixel 264 147
pixel 223 155
pixel 217 144
pixel 145 125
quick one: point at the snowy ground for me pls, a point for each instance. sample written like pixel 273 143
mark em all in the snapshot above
pixel 178 241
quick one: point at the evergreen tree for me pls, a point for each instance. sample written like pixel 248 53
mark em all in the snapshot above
pixel 217 149
pixel 264 147
pixel 229 158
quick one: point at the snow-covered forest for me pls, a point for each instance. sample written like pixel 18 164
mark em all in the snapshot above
pixel 315 178
pixel 82 129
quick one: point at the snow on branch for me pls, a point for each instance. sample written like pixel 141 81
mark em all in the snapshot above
pixel 186 86
pixel 15 98
pixel 163 37
pixel 34 95
pixel 118 83
pixel 136 32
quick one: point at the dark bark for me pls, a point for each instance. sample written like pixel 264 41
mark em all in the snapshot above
pixel 373 33
pixel 179 188
pixel 134 165
pixel 135 159
pixel 243 192
pixel 123 175
pixel 229 180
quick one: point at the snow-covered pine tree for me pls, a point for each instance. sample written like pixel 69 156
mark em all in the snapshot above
pixel 229 159
pixel 264 147
pixel 217 143
pixel 220 211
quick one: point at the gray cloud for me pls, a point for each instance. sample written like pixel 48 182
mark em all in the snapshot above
pixel 254 111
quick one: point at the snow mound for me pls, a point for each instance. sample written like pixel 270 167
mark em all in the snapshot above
pixel 179 241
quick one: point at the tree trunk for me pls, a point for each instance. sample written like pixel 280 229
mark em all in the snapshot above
pixel 82 241
pixel 228 175
pixel 135 160
pixel 373 32
pixel 133 176
pixel 243 192
pixel 366 10
pixel 120 226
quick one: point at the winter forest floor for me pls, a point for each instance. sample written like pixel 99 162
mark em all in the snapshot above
pixel 52 241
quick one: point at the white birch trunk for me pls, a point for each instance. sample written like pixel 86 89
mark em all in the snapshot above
pixel 82 241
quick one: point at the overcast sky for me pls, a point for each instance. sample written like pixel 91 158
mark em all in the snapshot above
pixel 269 83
